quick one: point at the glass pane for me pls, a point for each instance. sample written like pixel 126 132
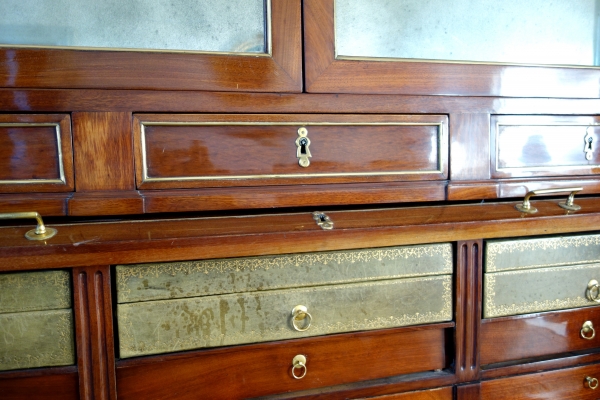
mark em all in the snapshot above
pixel 237 26
pixel 507 31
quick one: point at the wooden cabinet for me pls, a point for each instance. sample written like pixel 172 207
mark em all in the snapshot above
pixel 201 197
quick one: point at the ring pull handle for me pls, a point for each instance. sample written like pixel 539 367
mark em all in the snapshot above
pixel 299 363
pixel 526 206
pixel 592 383
pixel 300 313
pixel 593 291
pixel 587 330
pixel 40 232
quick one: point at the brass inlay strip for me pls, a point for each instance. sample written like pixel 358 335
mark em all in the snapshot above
pixel 61 169
pixel 495 249
pixel 146 178
pixel 542 168
pixel 268 47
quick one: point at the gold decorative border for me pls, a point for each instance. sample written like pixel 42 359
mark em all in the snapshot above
pixel 130 347
pixel 491 310
pixel 224 266
pixel 268 44
pixel 146 178
pixel 59 281
pixel 61 168
pixel 494 249
pixel 63 352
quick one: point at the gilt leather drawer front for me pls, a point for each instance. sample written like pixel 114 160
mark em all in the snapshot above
pixel 36 320
pixel 234 301
pixel 532 275
pixel 191 151
pixel 571 384
pixel 527 146
pixel 263 369
pixel 35 153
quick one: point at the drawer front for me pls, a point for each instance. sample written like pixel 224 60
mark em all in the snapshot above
pixel 33 291
pixel 524 146
pixel 535 290
pixel 35 153
pixel 557 385
pixel 513 254
pixel 259 370
pixel 36 339
pixel 189 151
pixel 173 325
pixel 517 338
pixel 172 280
pixel 444 393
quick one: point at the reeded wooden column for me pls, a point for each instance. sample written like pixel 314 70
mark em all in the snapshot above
pixel 468 308
pixel 94 333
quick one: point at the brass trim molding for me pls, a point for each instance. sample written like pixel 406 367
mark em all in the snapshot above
pixel 497 249
pixel 148 179
pixel 61 168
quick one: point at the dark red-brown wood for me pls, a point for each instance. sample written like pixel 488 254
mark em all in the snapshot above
pixel 522 337
pixel 468 308
pixel 432 394
pixel 94 333
pixel 32 148
pixel 54 68
pixel 40 384
pixel 257 370
pixel 468 392
pixel 564 384
pixel 326 74
pixel 469 146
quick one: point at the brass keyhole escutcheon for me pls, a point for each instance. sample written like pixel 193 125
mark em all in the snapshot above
pixel 302 147
pixel 589 146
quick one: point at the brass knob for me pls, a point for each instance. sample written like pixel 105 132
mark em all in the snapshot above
pixel 299 362
pixel 300 313
pixel 593 291
pixel 592 383
pixel 586 329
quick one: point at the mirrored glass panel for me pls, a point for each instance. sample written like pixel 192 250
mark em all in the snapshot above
pixel 559 32
pixel 232 26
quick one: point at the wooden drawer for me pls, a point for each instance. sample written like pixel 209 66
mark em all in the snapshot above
pixel 36 320
pixel 566 384
pixel 35 153
pixel 246 300
pixel 526 146
pixel 444 393
pixel 521 337
pixel 258 370
pixel 190 151
pixel 532 275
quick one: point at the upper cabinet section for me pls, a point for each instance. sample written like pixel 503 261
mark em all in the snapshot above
pixel 234 45
pixel 487 48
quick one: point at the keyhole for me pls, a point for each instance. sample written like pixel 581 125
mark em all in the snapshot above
pixel 303 142
pixel 590 140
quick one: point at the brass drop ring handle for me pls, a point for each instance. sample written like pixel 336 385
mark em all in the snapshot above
pixel 40 232
pixel 593 291
pixel 300 313
pixel 526 206
pixel 592 383
pixel 299 362
pixel 586 329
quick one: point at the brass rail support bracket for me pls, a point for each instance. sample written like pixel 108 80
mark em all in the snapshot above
pixel 526 206
pixel 41 232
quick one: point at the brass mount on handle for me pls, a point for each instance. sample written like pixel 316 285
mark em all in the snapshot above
pixel 41 232
pixel 526 206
